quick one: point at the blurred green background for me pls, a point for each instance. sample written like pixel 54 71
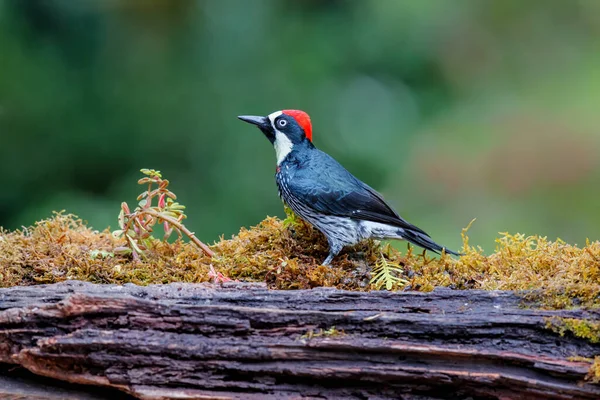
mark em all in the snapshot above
pixel 452 109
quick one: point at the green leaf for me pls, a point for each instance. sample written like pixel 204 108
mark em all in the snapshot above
pixel 134 245
pixel 122 250
pixel 121 219
pixel 176 206
pixel 94 254
pixel 151 172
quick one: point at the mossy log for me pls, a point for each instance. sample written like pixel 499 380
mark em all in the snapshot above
pixel 243 341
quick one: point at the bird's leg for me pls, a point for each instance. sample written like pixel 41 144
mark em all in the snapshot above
pixel 328 259
pixel 334 249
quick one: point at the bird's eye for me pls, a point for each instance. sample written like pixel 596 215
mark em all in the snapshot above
pixel 281 123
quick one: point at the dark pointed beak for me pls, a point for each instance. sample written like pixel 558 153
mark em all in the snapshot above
pixel 261 122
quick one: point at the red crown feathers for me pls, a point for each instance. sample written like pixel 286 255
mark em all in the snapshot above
pixel 303 120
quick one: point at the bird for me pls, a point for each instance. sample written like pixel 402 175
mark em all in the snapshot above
pixel 325 194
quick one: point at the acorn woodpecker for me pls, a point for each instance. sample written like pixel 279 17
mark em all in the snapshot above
pixel 325 194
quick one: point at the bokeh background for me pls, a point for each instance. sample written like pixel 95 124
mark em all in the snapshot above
pixel 454 110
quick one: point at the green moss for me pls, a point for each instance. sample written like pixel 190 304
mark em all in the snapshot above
pixel 322 333
pixel 584 329
pixel 287 255
pixel 581 328
pixel 593 374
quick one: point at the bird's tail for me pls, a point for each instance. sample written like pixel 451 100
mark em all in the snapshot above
pixel 425 242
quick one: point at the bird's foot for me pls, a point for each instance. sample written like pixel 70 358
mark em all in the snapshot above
pixel 328 260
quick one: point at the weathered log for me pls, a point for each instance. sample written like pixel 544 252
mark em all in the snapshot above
pixel 244 341
pixel 19 384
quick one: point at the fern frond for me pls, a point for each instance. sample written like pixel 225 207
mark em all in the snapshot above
pixel 386 274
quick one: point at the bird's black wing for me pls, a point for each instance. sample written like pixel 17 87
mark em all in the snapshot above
pixel 327 187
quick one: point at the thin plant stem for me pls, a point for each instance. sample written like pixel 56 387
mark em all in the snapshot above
pixel 183 229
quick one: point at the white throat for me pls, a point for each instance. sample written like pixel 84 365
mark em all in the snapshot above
pixel 283 145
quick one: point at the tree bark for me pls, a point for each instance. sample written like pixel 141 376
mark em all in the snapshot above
pixel 19 384
pixel 242 341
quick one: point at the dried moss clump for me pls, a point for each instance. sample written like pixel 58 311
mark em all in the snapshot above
pixel 558 275
pixel 63 247
pixel 287 255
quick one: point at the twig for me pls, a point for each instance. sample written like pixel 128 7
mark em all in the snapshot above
pixel 182 228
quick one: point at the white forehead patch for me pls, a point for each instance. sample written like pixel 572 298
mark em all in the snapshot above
pixel 282 144
pixel 272 117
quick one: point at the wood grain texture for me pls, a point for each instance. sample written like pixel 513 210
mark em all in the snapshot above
pixel 242 341
pixel 19 384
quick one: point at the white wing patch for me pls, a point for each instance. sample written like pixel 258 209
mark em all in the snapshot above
pixel 378 230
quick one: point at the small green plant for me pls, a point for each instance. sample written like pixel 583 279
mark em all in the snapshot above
pixel 137 226
pixel 386 273
pixel 291 219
